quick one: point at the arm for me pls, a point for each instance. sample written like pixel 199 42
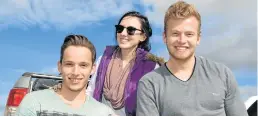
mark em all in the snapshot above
pixel 146 103
pixel 234 106
pixel 90 89
pixel 27 107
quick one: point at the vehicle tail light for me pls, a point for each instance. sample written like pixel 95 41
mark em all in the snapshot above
pixel 14 99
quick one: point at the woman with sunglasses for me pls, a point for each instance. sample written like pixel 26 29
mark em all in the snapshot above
pixel 121 67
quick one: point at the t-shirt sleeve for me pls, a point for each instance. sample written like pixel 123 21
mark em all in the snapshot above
pixel 146 103
pixel 27 107
pixel 234 106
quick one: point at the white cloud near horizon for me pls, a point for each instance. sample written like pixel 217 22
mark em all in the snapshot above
pixel 50 70
pixel 230 9
pixel 59 14
pixel 247 91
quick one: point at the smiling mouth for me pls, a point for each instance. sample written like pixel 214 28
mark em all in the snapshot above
pixel 123 40
pixel 75 80
pixel 181 47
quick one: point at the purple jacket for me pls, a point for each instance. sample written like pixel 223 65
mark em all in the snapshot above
pixel 141 67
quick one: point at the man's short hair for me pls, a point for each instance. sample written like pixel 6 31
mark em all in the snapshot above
pixel 78 40
pixel 181 10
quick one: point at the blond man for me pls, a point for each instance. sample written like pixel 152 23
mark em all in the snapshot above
pixel 187 84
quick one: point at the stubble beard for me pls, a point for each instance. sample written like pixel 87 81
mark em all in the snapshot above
pixel 173 56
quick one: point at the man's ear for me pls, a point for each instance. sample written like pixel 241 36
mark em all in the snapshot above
pixel 93 70
pixel 198 40
pixel 164 37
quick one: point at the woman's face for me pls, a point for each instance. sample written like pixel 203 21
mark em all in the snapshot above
pixel 129 33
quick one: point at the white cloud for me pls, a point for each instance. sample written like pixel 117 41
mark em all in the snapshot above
pixel 229 32
pixel 231 9
pixel 234 51
pixel 248 91
pixel 59 14
pixel 49 70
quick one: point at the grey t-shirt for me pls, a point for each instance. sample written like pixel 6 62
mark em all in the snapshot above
pixel 211 90
pixel 48 103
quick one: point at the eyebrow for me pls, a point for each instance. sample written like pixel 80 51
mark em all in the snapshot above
pixel 67 62
pixel 183 31
pixel 84 62
pixel 190 32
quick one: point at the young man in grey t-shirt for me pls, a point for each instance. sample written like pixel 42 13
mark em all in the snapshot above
pixel 187 84
pixel 76 64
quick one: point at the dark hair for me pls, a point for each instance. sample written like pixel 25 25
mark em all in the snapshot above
pixel 78 40
pixel 145 25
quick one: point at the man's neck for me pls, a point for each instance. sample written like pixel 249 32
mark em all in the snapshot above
pixel 182 69
pixel 72 98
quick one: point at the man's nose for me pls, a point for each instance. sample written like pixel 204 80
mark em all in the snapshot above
pixel 76 70
pixel 182 39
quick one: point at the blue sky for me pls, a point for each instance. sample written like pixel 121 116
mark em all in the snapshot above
pixel 31 34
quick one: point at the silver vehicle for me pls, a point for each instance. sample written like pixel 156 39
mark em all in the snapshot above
pixel 27 83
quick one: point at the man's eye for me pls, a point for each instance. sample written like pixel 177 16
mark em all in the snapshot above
pixel 68 64
pixel 175 34
pixel 189 35
pixel 84 65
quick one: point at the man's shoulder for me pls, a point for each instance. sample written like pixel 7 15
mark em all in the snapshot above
pixel 99 107
pixel 210 64
pixel 215 68
pixel 41 94
pixel 31 100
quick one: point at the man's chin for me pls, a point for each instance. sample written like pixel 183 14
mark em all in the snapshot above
pixel 181 57
pixel 76 89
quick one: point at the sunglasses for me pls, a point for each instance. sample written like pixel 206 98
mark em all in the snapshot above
pixel 130 30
